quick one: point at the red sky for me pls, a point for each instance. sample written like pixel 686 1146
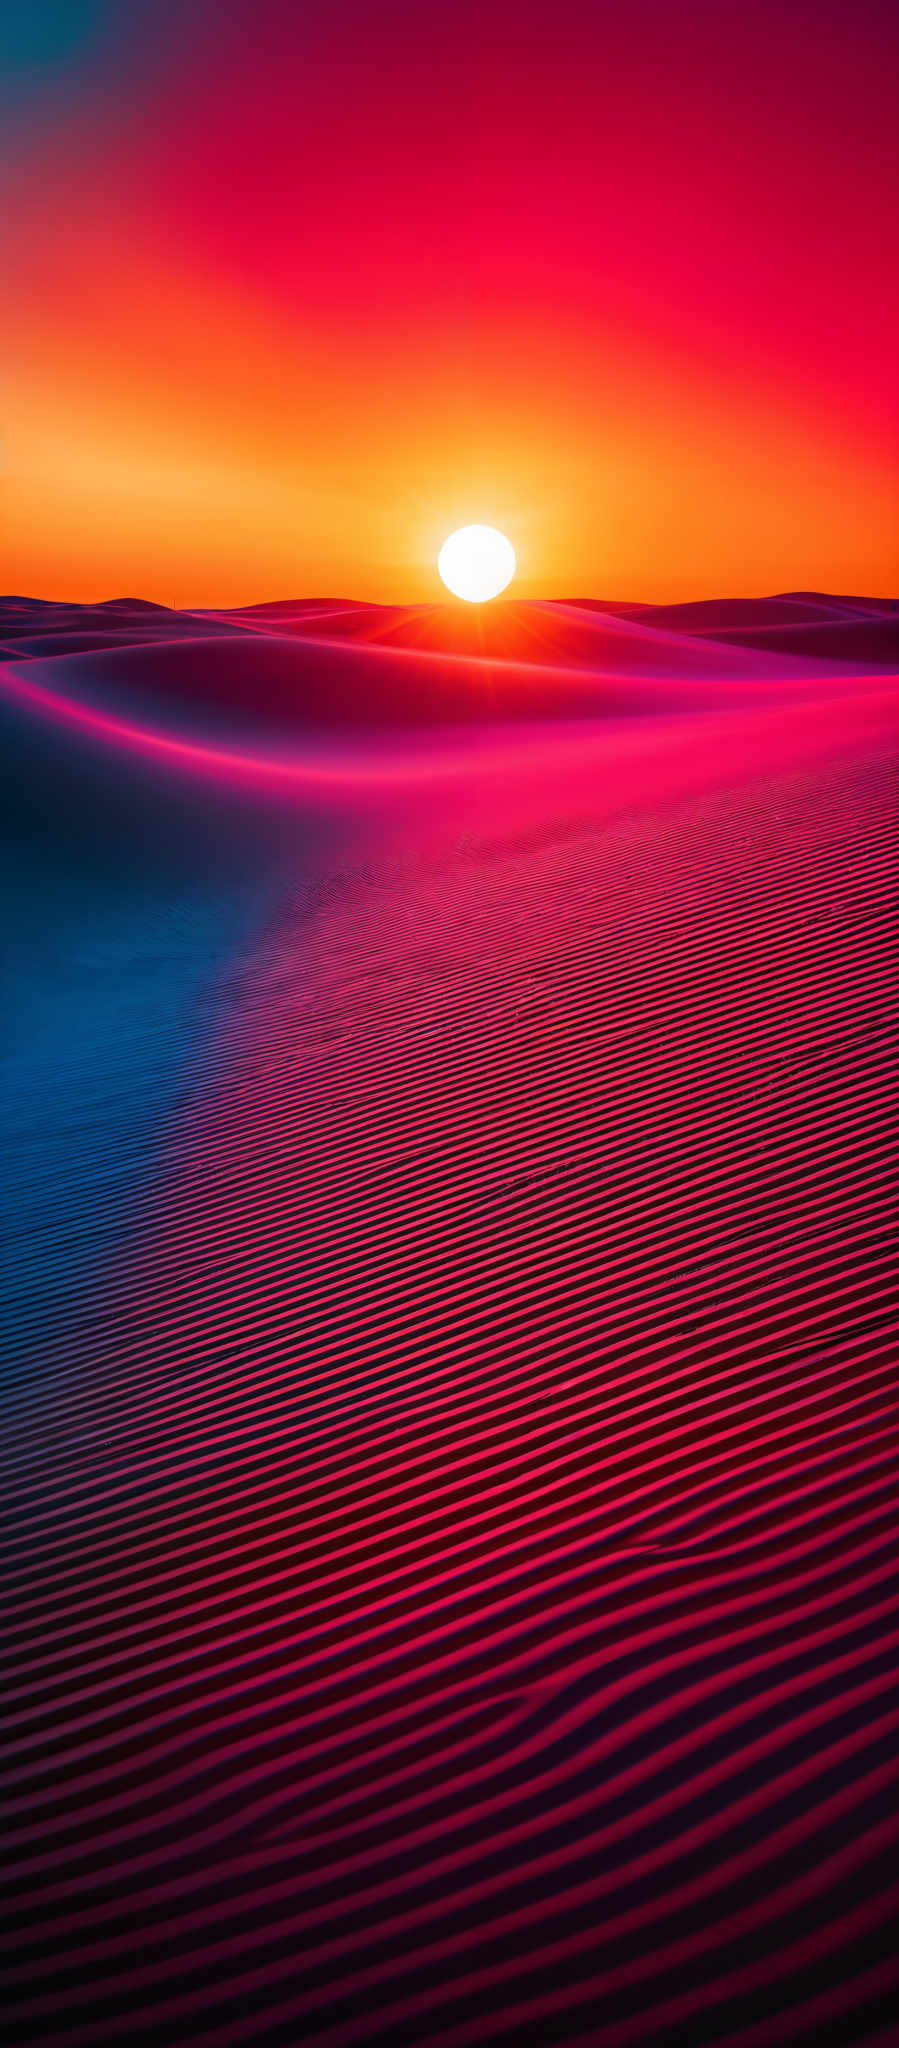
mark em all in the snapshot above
pixel 298 289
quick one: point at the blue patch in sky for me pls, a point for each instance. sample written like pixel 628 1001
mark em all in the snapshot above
pixel 42 36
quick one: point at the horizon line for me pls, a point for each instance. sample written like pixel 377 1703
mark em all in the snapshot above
pixel 457 605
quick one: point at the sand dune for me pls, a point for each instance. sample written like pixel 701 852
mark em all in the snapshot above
pixel 449 1416
pixel 343 669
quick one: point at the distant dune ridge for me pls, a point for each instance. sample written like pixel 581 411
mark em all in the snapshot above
pixel 448 1419
pixel 319 666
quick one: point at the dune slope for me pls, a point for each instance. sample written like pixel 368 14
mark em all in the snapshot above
pixel 450 1360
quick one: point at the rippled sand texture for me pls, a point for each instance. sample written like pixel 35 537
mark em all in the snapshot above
pixel 450 1361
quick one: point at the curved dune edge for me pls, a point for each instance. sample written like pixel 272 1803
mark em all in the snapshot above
pixel 488 750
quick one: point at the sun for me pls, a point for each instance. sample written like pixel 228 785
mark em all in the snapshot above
pixel 476 563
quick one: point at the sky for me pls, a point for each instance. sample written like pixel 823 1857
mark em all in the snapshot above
pixel 294 289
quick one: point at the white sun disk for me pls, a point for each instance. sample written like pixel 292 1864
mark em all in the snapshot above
pixel 476 563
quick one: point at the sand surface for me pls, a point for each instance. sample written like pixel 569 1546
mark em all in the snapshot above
pixel 449 1354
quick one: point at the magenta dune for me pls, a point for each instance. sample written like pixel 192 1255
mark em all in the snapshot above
pixel 450 1423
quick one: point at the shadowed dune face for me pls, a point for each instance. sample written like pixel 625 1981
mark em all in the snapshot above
pixel 448 1404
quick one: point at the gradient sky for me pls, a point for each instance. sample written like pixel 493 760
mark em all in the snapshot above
pixel 293 289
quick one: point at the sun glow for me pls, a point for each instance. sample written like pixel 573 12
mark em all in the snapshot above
pixel 476 563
